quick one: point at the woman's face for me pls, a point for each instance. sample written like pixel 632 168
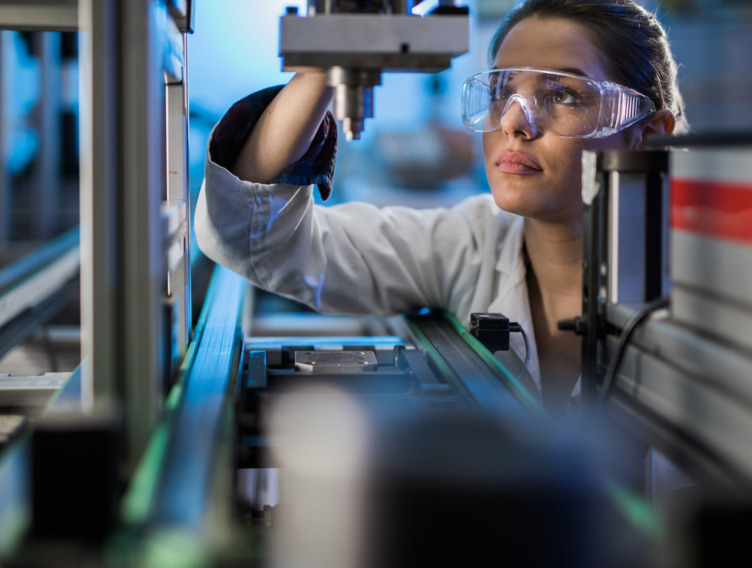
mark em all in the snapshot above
pixel 538 175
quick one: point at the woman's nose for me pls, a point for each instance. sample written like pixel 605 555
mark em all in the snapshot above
pixel 517 116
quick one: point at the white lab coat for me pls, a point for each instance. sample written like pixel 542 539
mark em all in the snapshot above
pixel 356 258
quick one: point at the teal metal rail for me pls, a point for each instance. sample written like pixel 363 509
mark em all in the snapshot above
pixel 188 459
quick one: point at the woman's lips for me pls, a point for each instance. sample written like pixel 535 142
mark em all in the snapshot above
pixel 517 163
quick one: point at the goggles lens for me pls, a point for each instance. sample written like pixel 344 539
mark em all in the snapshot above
pixel 559 103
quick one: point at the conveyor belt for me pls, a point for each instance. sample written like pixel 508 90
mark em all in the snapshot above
pixel 468 366
pixel 172 484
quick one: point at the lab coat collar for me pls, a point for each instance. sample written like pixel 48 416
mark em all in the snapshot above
pixel 511 262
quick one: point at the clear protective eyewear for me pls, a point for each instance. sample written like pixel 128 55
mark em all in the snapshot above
pixel 563 104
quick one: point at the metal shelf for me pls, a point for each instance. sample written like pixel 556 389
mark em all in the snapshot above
pixel 39 15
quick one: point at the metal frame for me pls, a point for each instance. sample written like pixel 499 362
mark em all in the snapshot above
pixel 30 392
pixel 690 397
pixel 134 209
pixel 135 253
pixel 39 15
pixel 183 13
pixel 29 282
pixel 142 177
pixel 675 387
pixel 137 261
pixel 624 195
pixel 4 177
pixel 99 97
pixel 178 196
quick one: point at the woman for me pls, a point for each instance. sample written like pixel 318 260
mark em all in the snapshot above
pixel 518 250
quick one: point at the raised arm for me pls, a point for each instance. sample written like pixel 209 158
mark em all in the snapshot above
pixel 285 130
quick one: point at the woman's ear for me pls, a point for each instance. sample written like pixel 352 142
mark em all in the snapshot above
pixel 662 122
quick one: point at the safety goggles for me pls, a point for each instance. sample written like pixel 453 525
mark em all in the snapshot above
pixel 563 104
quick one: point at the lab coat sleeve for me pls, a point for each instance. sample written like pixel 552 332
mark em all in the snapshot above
pixel 348 258
pixel 316 166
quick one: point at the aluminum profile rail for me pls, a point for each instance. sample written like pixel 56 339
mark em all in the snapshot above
pixel 176 490
pixel 12 274
pixel 32 289
pixel 688 395
pixel 184 14
pixel 135 269
pixel 134 166
pixel 188 458
pixel 466 365
pixel 39 15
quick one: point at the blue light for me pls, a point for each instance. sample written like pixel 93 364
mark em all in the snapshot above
pixel 234 51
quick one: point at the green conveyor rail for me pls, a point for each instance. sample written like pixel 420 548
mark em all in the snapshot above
pixel 467 365
pixel 171 489
pixel 477 375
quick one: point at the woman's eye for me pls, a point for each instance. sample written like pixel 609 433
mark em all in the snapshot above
pixel 561 97
pixel 501 94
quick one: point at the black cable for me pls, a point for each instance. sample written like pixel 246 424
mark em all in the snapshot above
pixel 636 319
pixel 514 326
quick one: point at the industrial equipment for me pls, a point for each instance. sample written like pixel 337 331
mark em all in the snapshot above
pixel 191 439
pixel 356 41
pixel 666 325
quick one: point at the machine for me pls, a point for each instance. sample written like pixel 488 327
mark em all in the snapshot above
pixel 355 42
pixel 187 437
pixel 666 323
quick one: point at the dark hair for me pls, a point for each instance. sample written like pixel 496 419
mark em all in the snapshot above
pixel 631 38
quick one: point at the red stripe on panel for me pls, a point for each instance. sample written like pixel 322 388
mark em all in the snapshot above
pixel 716 209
